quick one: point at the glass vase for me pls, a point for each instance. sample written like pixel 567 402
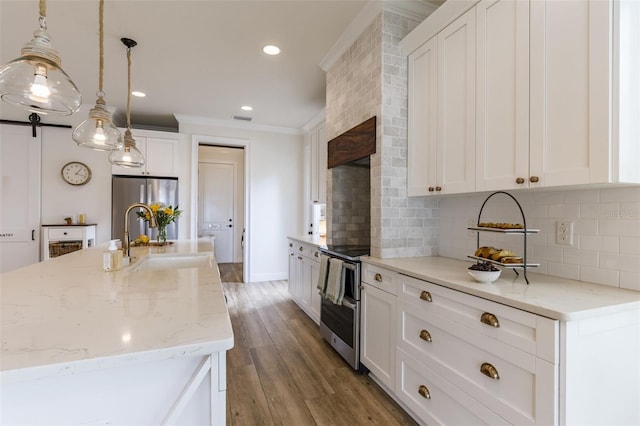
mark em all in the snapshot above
pixel 162 234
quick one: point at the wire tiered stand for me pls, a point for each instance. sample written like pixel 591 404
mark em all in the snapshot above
pixel 519 231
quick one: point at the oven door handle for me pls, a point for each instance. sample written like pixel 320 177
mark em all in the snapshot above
pixel 349 305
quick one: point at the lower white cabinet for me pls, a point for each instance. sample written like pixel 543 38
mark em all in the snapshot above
pixel 462 359
pixel 378 320
pixel 304 268
pixel 58 240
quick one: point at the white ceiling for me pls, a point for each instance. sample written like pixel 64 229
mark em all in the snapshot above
pixel 196 58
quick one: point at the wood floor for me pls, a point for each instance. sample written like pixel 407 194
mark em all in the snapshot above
pixel 230 272
pixel 281 372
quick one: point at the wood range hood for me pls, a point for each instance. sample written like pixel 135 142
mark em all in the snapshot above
pixel 353 145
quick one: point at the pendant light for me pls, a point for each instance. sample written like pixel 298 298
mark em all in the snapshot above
pixel 128 155
pixel 97 131
pixel 35 81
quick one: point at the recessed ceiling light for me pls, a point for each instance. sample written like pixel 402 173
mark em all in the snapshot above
pixel 246 108
pixel 139 94
pixel 271 49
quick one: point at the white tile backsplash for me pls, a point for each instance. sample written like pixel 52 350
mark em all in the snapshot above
pixel 606 247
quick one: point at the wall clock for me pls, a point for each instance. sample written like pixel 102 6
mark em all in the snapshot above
pixel 76 173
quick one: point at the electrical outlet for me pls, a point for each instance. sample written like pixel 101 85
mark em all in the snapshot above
pixel 564 233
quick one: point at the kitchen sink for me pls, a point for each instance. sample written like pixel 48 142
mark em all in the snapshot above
pixel 160 262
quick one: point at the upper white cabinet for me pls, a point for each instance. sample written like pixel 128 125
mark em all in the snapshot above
pixel 556 95
pixel 317 166
pixel 160 155
pixel 572 138
pixel 441 118
pixel 502 102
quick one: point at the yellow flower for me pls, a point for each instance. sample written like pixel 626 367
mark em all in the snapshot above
pixel 154 207
pixel 168 211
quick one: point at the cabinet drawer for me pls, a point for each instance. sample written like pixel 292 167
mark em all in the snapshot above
pixel 303 249
pixel 523 330
pixel 381 278
pixel 444 403
pixel 65 234
pixel 461 355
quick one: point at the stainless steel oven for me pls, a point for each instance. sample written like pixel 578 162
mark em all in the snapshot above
pixel 340 324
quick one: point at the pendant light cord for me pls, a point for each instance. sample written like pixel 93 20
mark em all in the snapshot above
pixel 43 14
pixel 129 88
pixel 101 41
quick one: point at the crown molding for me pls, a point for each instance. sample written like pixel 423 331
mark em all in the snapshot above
pixel 416 10
pixel 317 119
pixel 234 124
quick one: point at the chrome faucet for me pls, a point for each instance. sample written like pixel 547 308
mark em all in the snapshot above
pixel 126 245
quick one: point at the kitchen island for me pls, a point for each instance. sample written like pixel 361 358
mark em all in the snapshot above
pixel 144 345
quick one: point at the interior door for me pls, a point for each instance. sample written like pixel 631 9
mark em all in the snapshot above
pixel 20 196
pixel 215 207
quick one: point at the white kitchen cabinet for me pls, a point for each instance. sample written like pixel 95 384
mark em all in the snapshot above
pixel 442 132
pixel 62 239
pixel 584 100
pixel 378 323
pixel 304 268
pixel 503 358
pixel 557 95
pixel 160 158
pixel 464 359
pixel 318 164
pixel 502 101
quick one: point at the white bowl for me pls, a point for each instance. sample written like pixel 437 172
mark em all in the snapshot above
pixel 484 276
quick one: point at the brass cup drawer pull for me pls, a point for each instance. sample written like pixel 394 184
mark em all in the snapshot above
pixel 378 277
pixel 425 295
pixel 490 319
pixel 424 392
pixel 490 371
pixel 425 335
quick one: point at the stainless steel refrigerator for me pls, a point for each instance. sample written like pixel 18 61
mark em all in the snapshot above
pixel 126 190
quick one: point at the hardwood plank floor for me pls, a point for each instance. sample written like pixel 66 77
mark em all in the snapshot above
pixel 230 272
pixel 281 371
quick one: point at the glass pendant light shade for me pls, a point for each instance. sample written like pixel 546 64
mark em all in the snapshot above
pixel 36 80
pixel 128 155
pixel 97 131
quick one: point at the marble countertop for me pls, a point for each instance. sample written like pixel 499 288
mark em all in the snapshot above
pixel 549 296
pixel 67 314
pixel 310 239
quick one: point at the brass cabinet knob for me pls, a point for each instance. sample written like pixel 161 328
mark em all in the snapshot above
pixel 438 188
pixel 424 392
pixel 425 335
pixel 300 248
pixel 290 244
pixel 299 257
pixel 490 319
pixel 315 254
pixel 431 189
pixel 378 277
pixel 534 179
pixel 490 371
pixel 426 296
pixel 520 181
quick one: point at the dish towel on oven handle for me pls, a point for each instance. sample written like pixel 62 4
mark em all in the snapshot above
pixel 335 281
pixel 322 276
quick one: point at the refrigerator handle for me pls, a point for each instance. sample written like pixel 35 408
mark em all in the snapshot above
pixel 142 200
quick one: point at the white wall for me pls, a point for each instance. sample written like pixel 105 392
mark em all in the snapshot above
pixel 59 199
pixel 276 193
